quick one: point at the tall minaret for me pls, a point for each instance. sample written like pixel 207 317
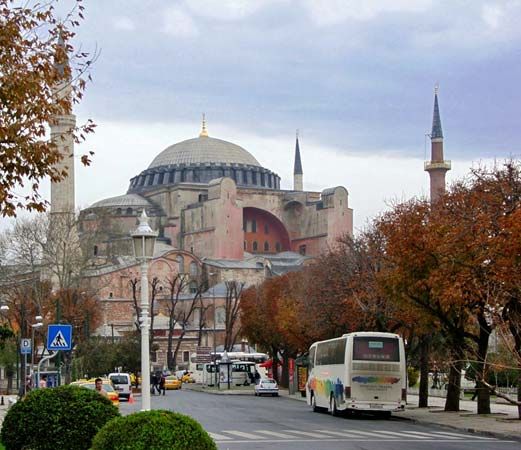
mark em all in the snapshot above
pixel 62 127
pixel 437 166
pixel 298 184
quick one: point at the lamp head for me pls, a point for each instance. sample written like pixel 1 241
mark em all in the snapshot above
pixel 144 238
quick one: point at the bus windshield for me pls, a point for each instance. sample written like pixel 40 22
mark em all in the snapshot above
pixel 374 348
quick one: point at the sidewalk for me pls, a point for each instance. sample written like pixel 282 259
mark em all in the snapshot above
pixel 502 423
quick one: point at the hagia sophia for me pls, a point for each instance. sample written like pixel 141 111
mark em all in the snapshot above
pixel 221 216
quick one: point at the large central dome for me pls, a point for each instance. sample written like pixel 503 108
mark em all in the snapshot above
pixel 203 150
pixel 201 160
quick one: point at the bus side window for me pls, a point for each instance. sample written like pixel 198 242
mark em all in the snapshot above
pixel 312 357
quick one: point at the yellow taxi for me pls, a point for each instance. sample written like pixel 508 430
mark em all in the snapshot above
pixel 188 378
pixel 172 382
pixel 112 395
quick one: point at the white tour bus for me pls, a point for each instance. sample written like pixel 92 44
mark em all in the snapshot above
pixel 362 371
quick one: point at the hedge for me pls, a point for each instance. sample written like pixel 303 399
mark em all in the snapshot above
pixel 153 430
pixel 66 417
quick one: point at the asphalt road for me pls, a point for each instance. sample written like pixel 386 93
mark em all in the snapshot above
pixel 238 422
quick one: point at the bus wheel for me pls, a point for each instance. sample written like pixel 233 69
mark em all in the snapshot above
pixel 332 407
pixel 314 404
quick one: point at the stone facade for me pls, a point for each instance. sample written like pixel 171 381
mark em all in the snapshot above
pixel 221 217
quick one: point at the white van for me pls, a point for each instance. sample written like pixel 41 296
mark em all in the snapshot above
pixel 122 385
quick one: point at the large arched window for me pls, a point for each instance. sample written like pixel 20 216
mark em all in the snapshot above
pixel 255 246
pixel 266 246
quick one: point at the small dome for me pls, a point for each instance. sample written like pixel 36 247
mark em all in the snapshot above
pixel 203 150
pixel 122 200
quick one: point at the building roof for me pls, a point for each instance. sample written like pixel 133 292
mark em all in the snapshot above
pixel 204 149
pixel 122 200
pixel 233 263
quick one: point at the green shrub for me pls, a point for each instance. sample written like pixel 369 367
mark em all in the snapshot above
pixel 153 430
pixel 67 417
pixel 412 376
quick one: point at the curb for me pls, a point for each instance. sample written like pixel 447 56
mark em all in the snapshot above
pixel 221 392
pixel 471 430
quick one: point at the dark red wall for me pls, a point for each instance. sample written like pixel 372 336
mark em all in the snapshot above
pixel 276 232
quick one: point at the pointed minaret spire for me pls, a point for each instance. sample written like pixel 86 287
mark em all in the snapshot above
pixel 436 121
pixel 204 131
pixel 437 166
pixel 298 184
pixel 61 58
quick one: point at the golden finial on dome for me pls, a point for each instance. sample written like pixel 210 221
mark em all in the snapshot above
pixel 204 132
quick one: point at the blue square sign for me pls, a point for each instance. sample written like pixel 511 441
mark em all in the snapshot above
pixel 59 337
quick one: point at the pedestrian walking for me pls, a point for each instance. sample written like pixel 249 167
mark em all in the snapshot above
pixel 158 381
pixel 475 394
pixel 28 384
pixel 43 382
pixel 153 383
pixel 162 382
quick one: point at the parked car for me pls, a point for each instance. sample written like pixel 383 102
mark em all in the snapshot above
pixel 172 382
pixel 267 386
pixel 112 395
pixel 122 384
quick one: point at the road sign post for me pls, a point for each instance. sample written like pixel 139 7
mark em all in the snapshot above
pixel 25 349
pixel 59 337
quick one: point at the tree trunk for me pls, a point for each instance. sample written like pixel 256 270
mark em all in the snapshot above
pixel 424 372
pixel 177 347
pixel 454 385
pixel 275 364
pixel 284 379
pixel 170 362
pixel 483 392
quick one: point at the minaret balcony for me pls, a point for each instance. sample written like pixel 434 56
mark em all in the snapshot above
pixel 436 165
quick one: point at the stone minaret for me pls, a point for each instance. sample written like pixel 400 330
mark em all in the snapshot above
pixel 62 126
pixel 437 166
pixel 298 184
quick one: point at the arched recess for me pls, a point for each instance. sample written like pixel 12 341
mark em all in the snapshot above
pixel 261 226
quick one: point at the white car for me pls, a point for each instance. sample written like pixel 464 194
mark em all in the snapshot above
pixel 267 386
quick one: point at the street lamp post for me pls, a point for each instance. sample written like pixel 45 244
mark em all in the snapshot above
pixel 38 324
pixel 143 239
pixel 33 326
pixel 214 332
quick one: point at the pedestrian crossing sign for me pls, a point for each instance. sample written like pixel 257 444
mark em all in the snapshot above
pixel 59 337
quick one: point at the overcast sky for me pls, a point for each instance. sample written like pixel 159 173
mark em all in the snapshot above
pixel 356 77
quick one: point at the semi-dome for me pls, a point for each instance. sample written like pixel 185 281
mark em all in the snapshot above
pixel 203 150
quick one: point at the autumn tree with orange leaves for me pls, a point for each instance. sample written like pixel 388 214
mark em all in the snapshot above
pixel 261 311
pixel 29 56
pixel 446 260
